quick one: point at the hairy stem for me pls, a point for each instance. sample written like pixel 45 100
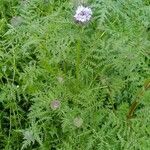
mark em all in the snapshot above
pixel 78 58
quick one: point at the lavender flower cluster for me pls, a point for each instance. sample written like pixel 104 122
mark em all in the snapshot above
pixel 83 14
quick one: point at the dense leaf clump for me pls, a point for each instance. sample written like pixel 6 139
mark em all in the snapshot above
pixel 66 85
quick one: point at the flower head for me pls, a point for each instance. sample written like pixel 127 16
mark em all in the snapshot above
pixel 55 104
pixel 60 79
pixel 28 135
pixel 16 21
pixel 83 14
pixel 78 122
pixel 24 3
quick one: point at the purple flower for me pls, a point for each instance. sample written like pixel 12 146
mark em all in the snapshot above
pixel 78 122
pixel 83 14
pixel 55 104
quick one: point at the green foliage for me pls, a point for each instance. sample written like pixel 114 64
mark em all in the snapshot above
pixel 99 72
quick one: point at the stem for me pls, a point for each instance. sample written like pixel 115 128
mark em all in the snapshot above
pixel 134 105
pixel 78 53
pixel 136 102
pixel 132 109
pixel 78 58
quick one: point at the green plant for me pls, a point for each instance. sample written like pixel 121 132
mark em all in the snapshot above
pixel 98 71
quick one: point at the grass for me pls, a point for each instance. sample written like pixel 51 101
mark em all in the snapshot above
pixel 98 72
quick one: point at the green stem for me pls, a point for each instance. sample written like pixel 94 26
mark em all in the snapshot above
pixel 78 59
pixel 78 52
